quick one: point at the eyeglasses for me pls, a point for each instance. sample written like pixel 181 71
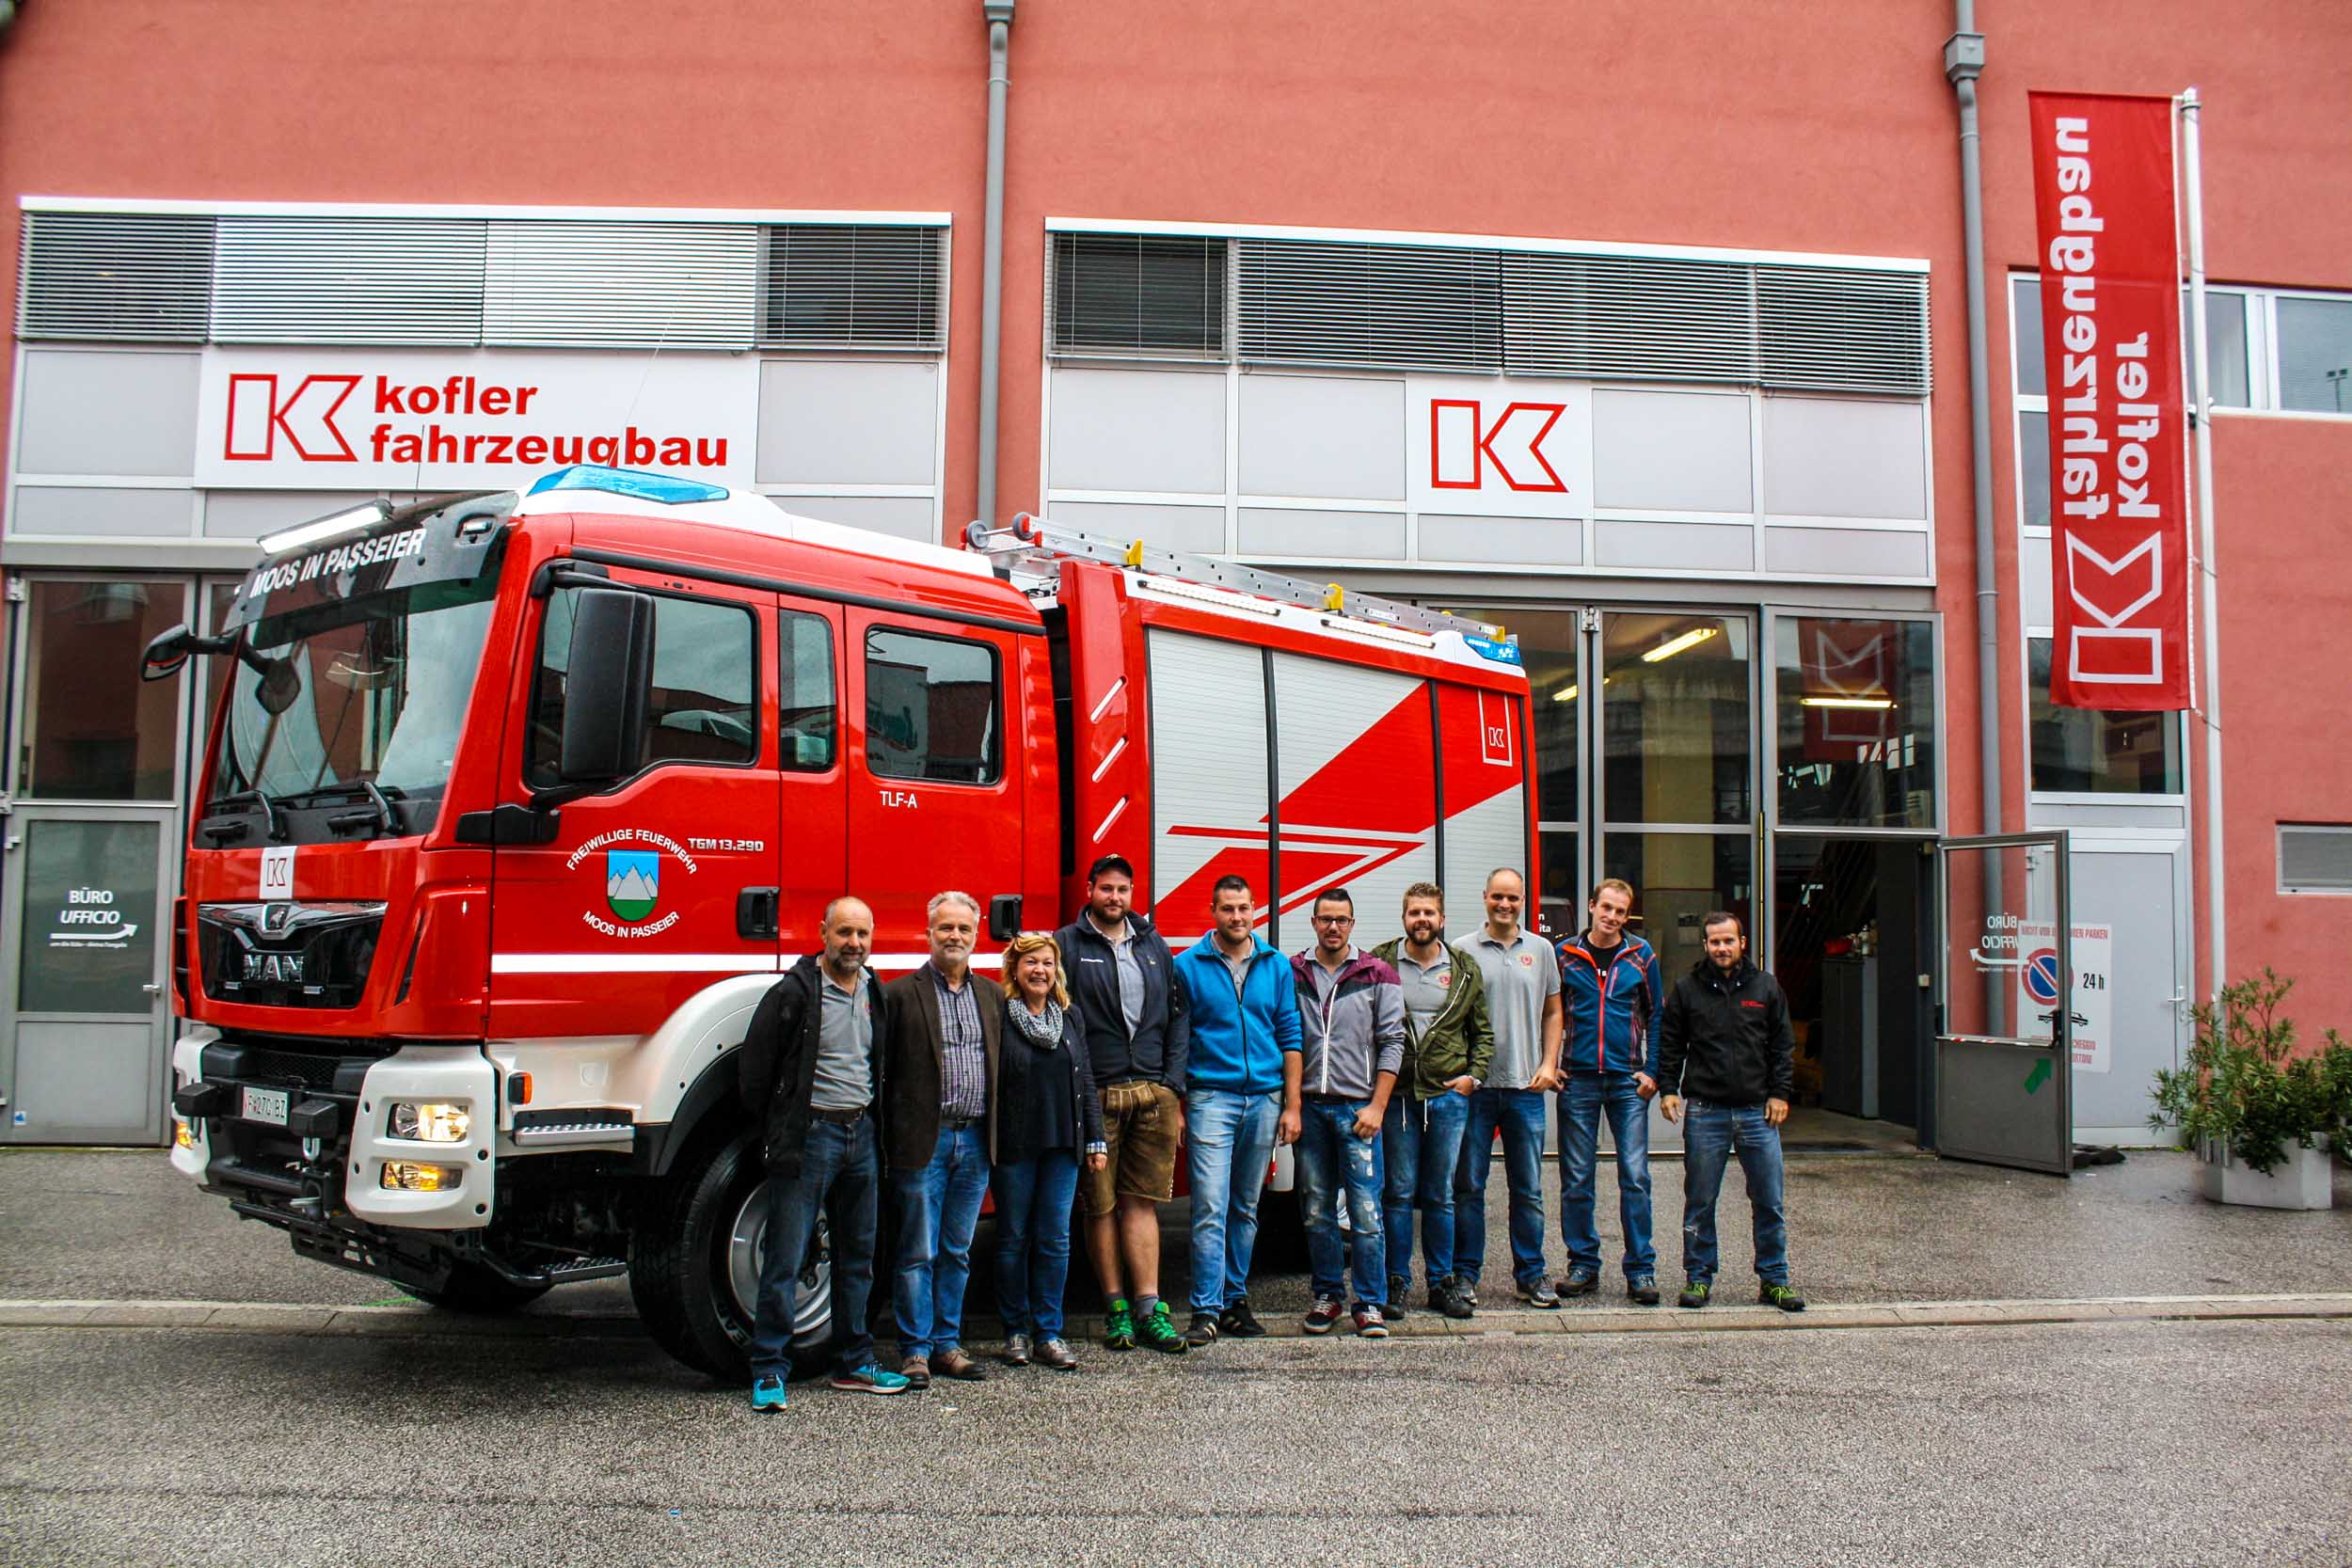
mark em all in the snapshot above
pixel 1334 920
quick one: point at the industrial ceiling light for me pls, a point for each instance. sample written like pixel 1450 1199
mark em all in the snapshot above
pixel 1688 640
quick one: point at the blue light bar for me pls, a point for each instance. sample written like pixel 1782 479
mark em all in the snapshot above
pixel 1487 647
pixel 664 488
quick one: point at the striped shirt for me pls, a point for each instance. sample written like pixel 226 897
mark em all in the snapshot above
pixel 963 1051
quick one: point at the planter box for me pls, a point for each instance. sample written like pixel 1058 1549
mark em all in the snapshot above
pixel 2301 1181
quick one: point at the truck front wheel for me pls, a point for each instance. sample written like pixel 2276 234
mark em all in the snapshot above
pixel 694 1261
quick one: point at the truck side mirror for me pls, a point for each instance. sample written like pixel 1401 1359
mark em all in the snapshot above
pixel 166 653
pixel 610 685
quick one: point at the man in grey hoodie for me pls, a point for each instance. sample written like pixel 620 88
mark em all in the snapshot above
pixel 1351 1014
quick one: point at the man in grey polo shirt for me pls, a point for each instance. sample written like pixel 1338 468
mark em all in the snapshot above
pixel 1522 977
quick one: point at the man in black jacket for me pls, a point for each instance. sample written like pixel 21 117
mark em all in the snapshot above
pixel 810 1072
pixel 1726 1057
pixel 1122 978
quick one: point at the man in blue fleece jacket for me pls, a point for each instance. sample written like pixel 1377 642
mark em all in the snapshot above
pixel 1241 1097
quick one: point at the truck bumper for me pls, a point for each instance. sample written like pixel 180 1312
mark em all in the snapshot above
pixel 458 1076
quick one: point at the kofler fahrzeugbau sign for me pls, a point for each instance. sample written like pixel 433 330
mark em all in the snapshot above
pixel 2111 341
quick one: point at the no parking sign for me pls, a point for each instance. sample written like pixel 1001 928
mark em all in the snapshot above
pixel 2038 982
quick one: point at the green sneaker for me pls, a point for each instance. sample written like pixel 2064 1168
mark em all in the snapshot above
pixel 1119 1327
pixel 1782 1297
pixel 1159 1332
pixel 1694 1293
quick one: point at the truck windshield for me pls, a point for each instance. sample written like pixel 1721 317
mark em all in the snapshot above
pixel 358 701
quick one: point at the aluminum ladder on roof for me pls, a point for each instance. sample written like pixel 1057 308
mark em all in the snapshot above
pixel 1034 541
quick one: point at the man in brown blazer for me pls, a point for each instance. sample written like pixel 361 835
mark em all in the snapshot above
pixel 939 1136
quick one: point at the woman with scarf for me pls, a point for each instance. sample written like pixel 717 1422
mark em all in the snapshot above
pixel 1047 1120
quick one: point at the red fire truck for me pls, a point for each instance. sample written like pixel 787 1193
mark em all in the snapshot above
pixel 515 804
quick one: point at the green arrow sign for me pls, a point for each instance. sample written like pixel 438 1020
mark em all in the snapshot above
pixel 2040 1075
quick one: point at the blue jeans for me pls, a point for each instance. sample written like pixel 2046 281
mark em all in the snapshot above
pixel 1710 1132
pixel 1331 1158
pixel 1587 1095
pixel 1421 1144
pixel 839 1175
pixel 938 1206
pixel 1519 1113
pixel 1033 1199
pixel 1229 1138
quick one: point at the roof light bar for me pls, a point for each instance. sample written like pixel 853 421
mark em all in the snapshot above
pixel 350 521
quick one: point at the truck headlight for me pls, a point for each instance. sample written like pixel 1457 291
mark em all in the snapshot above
pixel 408 1175
pixel 183 1135
pixel 430 1122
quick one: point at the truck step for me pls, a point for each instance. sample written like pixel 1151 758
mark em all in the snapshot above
pixel 585 1268
pixel 587 1132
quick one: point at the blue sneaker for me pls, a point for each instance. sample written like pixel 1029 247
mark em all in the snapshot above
pixel 768 1393
pixel 869 1379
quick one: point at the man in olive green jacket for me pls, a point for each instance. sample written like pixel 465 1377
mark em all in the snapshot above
pixel 1448 1044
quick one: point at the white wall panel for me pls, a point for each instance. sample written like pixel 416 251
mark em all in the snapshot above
pixel 1138 429
pixel 822 421
pixel 1198 528
pixel 1846 552
pixel 904 516
pixel 1513 541
pixel 1844 457
pixel 114 514
pixel 1341 535
pixel 1328 437
pixel 1675 547
pixel 132 415
pixel 250 513
pixel 1671 452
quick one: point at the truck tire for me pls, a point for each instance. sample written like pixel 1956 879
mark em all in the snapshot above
pixel 693 1263
pixel 471 1288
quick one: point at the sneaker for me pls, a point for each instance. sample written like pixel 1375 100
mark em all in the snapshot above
pixel 1695 1294
pixel 1536 1294
pixel 1370 1321
pixel 1782 1297
pixel 1238 1322
pixel 1454 1299
pixel 1016 1350
pixel 1119 1327
pixel 1204 1330
pixel 869 1379
pixel 1053 1355
pixel 1578 1283
pixel 1159 1332
pixel 1323 1315
pixel 1643 1289
pixel 768 1393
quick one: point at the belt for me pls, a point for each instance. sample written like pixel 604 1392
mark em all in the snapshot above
pixel 957 1124
pixel 839 1117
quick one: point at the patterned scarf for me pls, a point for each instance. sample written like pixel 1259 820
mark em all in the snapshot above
pixel 1044 1032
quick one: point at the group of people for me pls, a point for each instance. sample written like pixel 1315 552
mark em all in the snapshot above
pixel 1102 1055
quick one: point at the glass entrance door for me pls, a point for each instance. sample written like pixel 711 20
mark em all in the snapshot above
pixel 94 768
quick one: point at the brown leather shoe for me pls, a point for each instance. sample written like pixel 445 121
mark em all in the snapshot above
pixel 1055 1355
pixel 955 1364
pixel 917 1372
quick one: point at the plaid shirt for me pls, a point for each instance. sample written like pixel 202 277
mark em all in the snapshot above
pixel 963 1066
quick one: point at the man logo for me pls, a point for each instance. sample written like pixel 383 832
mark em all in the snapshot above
pixel 632 881
pixel 277 918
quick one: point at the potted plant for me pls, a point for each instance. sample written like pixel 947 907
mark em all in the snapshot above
pixel 2262 1120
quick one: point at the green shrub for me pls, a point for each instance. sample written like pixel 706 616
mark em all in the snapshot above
pixel 2245 1086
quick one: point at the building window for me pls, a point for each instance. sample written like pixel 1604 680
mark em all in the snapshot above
pixel 2092 750
pixel 807 702
pixel 2314 857
pixel 1857 722
pixel 1155 294
pixel 932 708
pixel 2314 353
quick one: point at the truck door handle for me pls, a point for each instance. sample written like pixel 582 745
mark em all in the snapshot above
pixel 757 909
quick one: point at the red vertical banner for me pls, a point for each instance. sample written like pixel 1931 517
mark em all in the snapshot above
pixel 2103 207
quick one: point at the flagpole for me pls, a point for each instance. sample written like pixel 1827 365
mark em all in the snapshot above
pixel 2201 415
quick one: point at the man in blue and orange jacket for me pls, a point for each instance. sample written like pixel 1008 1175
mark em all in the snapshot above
pixel 1610 984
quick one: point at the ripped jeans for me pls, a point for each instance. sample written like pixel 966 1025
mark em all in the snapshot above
pixel 1331 1158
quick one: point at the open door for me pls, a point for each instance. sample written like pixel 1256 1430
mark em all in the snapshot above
pixel 2004 1083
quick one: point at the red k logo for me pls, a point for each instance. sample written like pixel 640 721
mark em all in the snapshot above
pixel 1461 445
pixel 2105 651
pixel 304 416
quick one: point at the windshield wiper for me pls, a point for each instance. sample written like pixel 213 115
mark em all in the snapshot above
pixel 221 832
pixel 379 810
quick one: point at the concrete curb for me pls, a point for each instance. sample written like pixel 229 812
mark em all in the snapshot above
pixel 421 1322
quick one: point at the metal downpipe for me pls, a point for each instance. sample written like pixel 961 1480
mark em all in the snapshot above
pixel 999 15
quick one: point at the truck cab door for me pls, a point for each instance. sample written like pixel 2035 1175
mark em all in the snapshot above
pixel 937 767
pixel 671 877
